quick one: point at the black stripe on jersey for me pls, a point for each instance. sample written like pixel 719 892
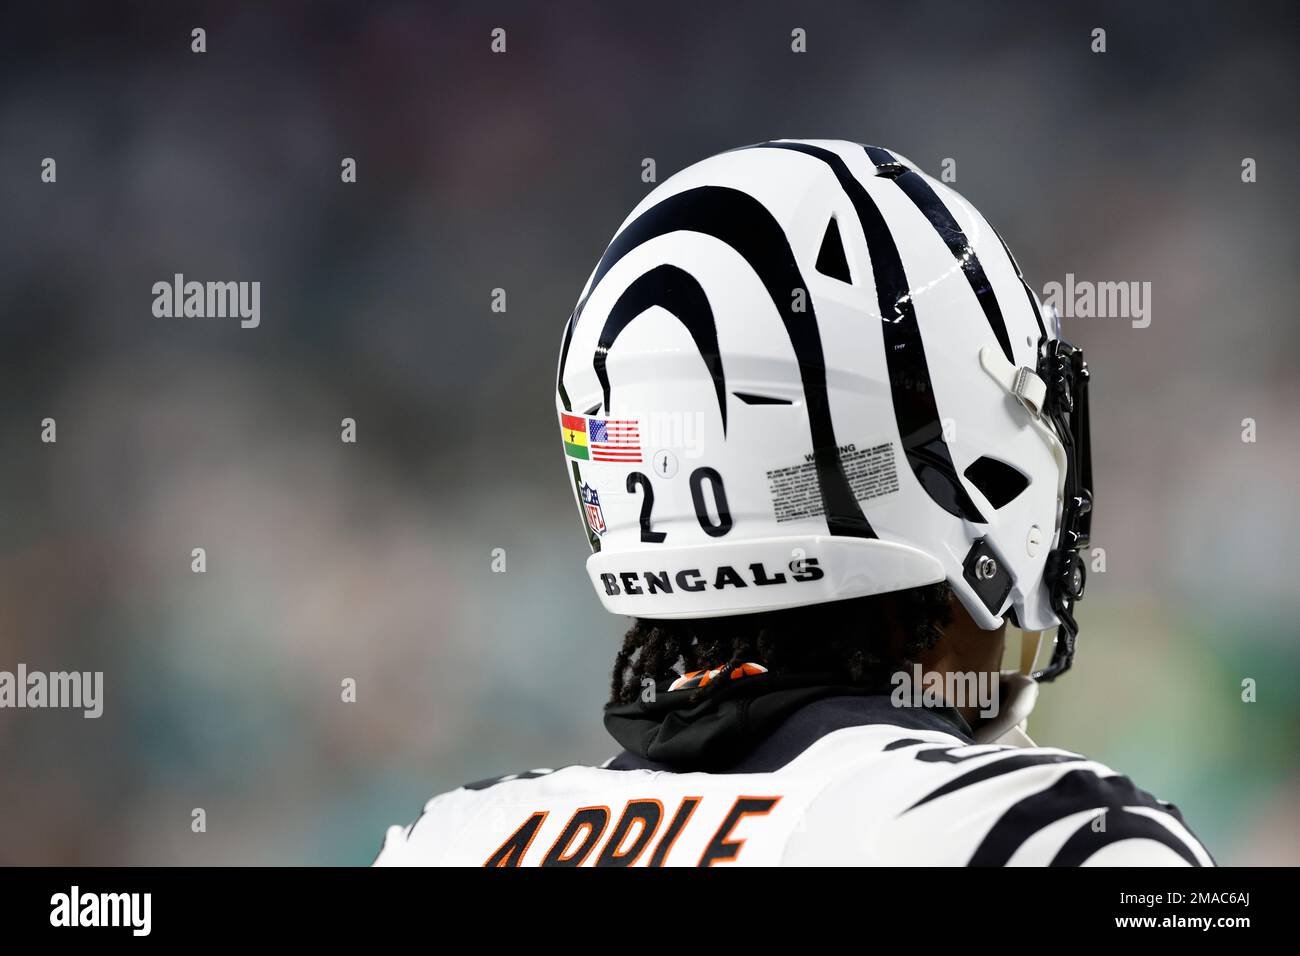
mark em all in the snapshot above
pixel 931 206
pixel 493 781
pixel 1076 791
pixel 677 292
pixel 900 744
pixel 1119 825
pixel 744 223
pixel 915 411
pixel 1008 764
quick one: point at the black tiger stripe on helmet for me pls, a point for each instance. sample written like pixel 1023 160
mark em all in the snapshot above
pixel 743 223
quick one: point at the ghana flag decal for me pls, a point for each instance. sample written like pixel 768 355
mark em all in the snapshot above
pixel 573 428
pixel 601 439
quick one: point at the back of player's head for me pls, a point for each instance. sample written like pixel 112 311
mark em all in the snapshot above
pixel 805 372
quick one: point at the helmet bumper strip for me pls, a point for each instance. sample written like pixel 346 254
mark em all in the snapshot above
pixel 756 575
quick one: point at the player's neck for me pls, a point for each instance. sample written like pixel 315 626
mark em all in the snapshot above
pixel 964 649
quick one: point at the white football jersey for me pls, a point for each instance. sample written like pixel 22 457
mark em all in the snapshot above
pixel 905 788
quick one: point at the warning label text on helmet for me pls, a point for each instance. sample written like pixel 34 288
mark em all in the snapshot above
pixel 796 493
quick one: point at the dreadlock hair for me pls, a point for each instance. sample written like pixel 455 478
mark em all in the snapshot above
pixel 857 641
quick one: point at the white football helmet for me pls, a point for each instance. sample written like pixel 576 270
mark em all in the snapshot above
pixel 805 371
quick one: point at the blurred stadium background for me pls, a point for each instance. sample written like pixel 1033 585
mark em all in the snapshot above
pixel 478 171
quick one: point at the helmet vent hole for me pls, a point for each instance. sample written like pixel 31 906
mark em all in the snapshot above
pixel 891 170
pixel 749 398
pixel 996 480
pixel 831 260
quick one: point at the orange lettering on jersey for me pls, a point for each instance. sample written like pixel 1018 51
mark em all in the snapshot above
pixel 680 819
pixel 593 821
pixel 720 849
pixel 646 814
pixel 511 853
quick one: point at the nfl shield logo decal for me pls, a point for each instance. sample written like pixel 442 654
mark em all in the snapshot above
pixel 591 504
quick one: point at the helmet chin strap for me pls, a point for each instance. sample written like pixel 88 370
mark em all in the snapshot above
pixel 1017 696
pixel 1030 641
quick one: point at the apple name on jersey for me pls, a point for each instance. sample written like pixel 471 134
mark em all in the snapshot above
pixel 865 795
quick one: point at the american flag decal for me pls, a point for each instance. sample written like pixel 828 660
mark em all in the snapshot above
pixel 614 439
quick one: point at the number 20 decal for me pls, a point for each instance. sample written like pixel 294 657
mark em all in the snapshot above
pixel 698 477
pixel 647 503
